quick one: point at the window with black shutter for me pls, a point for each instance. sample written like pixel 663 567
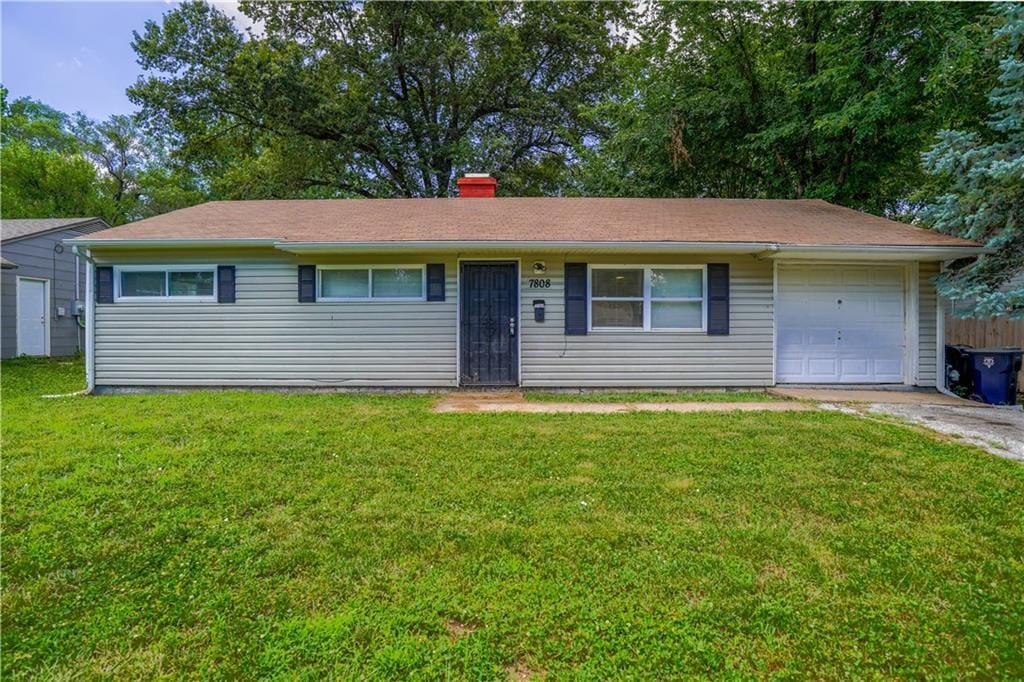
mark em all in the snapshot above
pixel 104 284
pixel 435 281
pixel 576 298
pixel 718 298
pixel 307 284
pixel 225 283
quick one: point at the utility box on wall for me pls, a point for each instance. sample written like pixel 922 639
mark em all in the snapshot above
pixel 538 310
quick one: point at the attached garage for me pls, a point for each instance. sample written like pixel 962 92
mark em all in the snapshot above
pixel 841 324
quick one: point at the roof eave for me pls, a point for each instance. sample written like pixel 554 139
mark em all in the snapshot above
pixel 169 243
pixel 521 245
pixel 765 249
pixel 878 252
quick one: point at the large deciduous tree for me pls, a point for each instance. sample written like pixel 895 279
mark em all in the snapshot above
pixel 985 201
pixel 118 151
pixel 43 174
pixel 375 98
pixel 780 100
pixel 60 166
pixel 136 173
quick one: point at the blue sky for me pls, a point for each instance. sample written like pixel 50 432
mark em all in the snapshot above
pixel 75 56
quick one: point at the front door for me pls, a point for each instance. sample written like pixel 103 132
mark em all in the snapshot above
pixel 32 318
pixel 489 321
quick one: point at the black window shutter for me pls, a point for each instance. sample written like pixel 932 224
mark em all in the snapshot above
pixel 718 298
pixel 435 281
pixel 307 284
pixel 104 284
pixel 575 298
pixel 225 284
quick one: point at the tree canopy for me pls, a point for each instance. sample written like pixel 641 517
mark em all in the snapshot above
pixel 56 165
pixel 838 101
pixel 43 174
pixel 781 100
pixel 379 99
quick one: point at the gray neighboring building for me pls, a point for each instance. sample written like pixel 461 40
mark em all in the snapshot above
pixel 40 280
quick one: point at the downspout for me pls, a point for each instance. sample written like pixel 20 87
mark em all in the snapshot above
pixel 90 318
pixel 79 327
pixel 940 345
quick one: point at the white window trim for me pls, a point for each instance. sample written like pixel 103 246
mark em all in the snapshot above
pixel 703 300
pixel 370 298
pixel 167 269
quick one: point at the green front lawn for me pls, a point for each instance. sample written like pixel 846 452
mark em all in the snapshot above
pixel 256 535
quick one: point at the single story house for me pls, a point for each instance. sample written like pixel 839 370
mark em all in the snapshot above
pixel 533 292
pixel 42 285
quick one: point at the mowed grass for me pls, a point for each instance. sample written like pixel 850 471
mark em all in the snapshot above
pixel 248 535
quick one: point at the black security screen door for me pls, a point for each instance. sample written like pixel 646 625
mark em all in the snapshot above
pixel 489 324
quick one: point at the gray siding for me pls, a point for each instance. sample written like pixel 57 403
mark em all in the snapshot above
pixel 35 257
pixel 926 325
pixel 743 358
pixel 8 313
pixel 267 338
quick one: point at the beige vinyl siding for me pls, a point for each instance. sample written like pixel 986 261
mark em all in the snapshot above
pixel 637 359
pixel 267 338
pixel 927 364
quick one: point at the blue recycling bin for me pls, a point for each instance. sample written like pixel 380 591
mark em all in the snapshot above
pixel 993 374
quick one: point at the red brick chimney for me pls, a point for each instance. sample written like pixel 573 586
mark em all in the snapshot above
pixel 477 185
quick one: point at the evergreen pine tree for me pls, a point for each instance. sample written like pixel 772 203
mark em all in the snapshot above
pixel 985 201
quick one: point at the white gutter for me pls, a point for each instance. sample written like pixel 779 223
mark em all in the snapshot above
pixel 519 245
pixel 936 252
pixel 759 249
pixel 765 249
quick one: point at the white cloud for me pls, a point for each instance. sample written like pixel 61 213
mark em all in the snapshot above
pixel 241 22
pixel 84 57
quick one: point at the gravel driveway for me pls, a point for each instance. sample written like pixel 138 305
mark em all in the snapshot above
pixel 1000 431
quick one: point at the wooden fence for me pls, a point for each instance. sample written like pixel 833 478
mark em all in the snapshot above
pixel 995 331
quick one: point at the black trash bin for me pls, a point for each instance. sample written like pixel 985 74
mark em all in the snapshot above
pixel 993 374
pixel 958 372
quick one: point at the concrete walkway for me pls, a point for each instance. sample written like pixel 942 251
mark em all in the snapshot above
pixel 513 401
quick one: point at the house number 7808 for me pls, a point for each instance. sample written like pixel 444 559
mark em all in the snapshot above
pixel 540 283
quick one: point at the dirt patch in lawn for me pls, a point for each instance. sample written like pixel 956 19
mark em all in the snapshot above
pixel 458 629
pixel 770 572
pixel 520 672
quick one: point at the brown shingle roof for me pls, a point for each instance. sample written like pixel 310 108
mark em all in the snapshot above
pixel 803 222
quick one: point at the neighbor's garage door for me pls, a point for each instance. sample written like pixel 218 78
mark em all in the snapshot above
pixel 840 324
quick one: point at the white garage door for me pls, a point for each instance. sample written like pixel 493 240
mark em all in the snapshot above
pixel 840 324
